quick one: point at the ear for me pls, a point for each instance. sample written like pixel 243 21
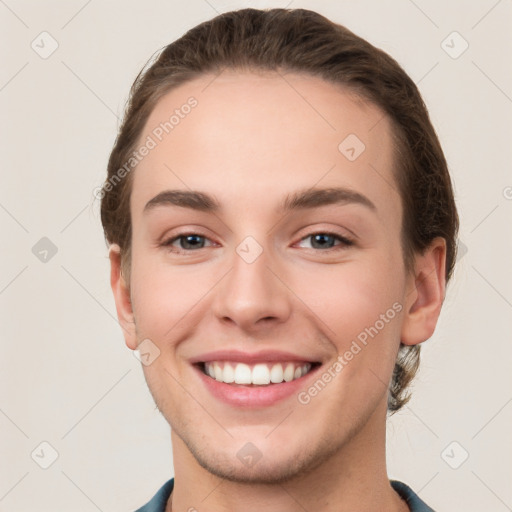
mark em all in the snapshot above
pixel 426 292
pixel 122 298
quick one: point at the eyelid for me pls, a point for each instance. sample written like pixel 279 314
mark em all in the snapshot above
pixel 316 228
pixel 331 228
pixel 183 231
pixel 167 241
pixel 346 241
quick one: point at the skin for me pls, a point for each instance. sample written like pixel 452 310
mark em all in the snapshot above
pixel 252 139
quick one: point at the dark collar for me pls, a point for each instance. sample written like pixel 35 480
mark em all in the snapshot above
pixel 159 500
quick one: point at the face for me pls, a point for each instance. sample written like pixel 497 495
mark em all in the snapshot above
pixel 279 282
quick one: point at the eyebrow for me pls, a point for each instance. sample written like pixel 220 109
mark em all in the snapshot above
pixel 299 200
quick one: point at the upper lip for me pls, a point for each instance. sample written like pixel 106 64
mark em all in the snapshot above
pixel 251 358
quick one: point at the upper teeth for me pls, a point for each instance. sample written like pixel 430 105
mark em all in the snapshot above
pixel 260 374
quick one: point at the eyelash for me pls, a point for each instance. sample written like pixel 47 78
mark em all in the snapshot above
pixel 346 242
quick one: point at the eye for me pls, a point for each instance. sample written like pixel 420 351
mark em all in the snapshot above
pixel 325 241
pixel 187 242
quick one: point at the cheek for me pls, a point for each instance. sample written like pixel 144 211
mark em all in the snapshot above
pixel 164 297
pixel 349 297
pixel 345 298
pixel 359 308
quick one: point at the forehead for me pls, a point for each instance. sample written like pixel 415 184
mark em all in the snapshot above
pixel 250 136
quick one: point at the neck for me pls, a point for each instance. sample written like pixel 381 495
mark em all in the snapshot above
pixel 354 478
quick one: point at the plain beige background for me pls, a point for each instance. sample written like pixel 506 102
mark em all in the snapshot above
pixel 66 377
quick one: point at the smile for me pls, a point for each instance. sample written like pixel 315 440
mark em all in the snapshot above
pixel 260 374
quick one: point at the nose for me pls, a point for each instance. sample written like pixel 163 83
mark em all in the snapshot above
pixel 252 295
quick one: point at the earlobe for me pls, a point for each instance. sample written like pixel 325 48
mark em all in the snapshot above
pixel 122 298
pixel 427 291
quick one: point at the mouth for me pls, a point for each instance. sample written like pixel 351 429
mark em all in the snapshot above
pixel 260 374
pixel 254 380
pixel 254 386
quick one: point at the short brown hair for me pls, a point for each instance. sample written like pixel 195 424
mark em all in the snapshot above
pixel 302 41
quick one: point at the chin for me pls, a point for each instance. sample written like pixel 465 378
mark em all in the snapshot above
pixel 262 472
pixel 271 465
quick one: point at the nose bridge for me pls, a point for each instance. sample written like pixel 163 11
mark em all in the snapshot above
pixel 251 292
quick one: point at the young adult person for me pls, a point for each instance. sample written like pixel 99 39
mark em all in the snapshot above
pixel 282 227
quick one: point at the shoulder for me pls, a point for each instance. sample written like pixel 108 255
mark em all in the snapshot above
pixel 410 497
pixel 159 500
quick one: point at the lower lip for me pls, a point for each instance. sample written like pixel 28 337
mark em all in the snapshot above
pixel 254 396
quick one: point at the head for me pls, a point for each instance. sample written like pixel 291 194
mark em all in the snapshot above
pixel 249 108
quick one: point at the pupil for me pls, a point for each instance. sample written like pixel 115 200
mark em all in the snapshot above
pixel 191 237
pixel 322 237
